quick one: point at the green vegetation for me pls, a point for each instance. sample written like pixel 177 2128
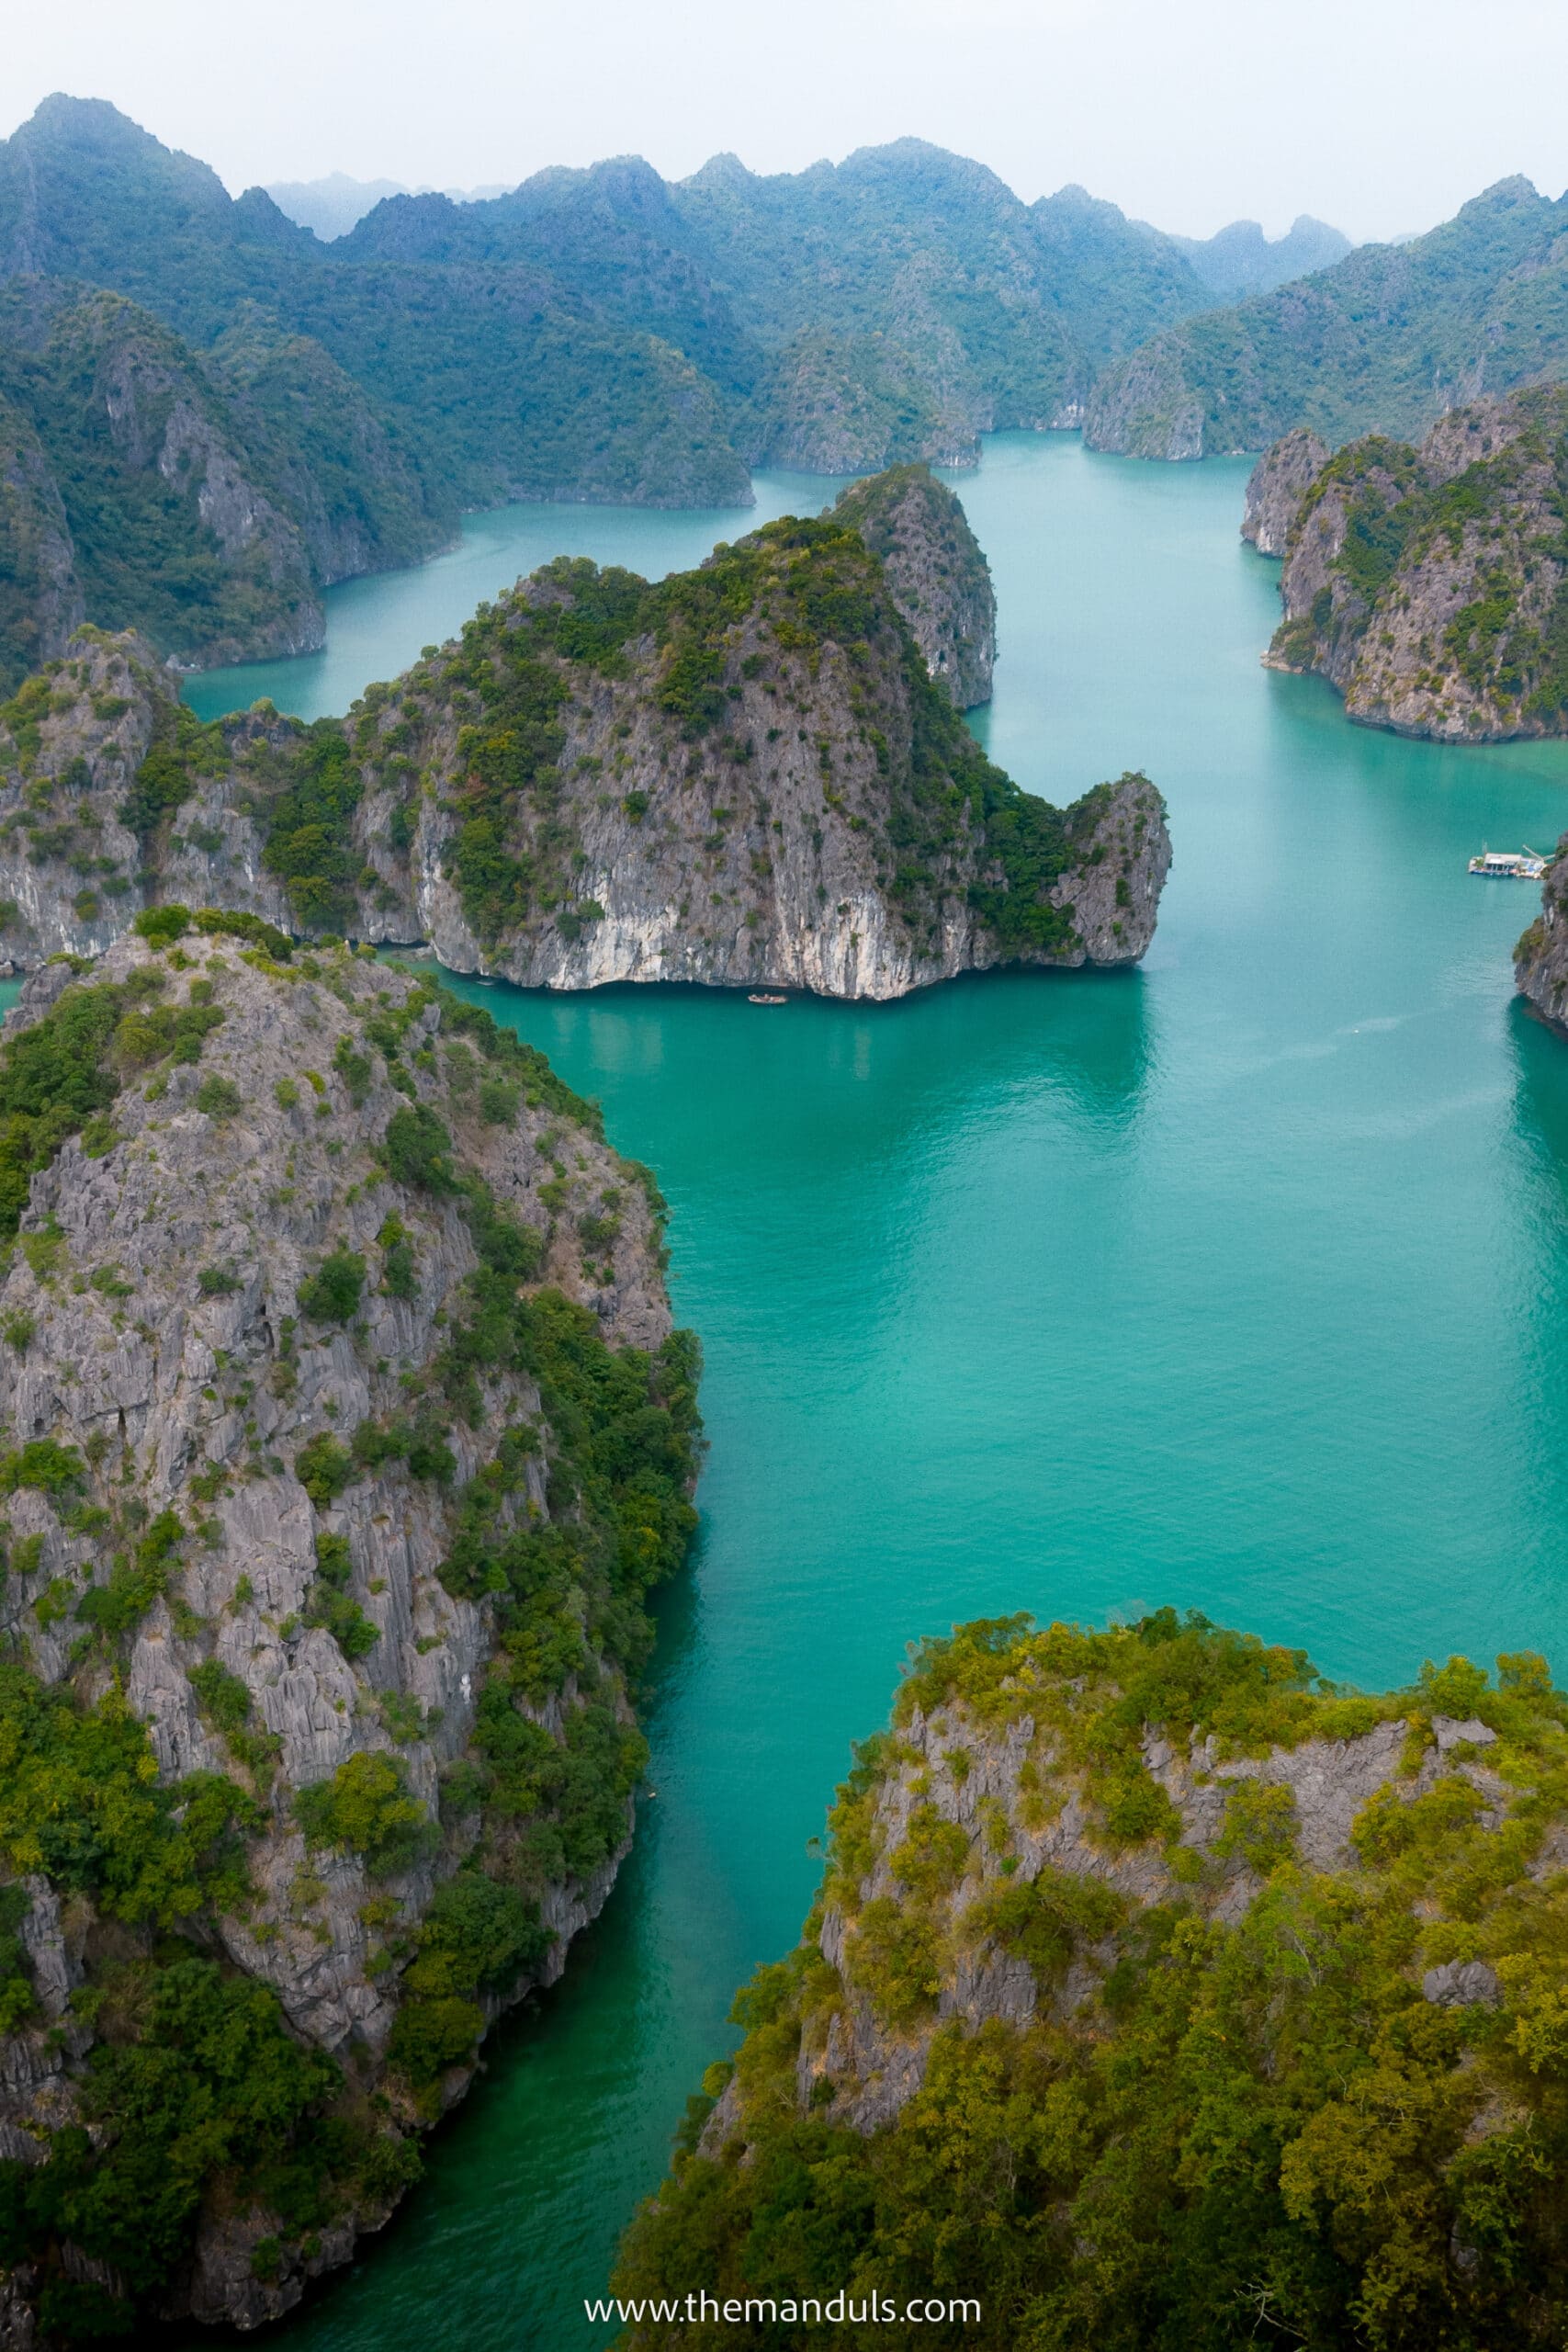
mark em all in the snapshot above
pixel 181 751
pixel 80 1800
pixel 161 926
pixel 476 1937
pixel 205 2082
pixel 1256 2127
pixel 17 1999
pixel 365 1809
pixel 331 1293
pixel 226 1708
pixel 219 1097
pixel 323 1468
pixel 417 1151
pixel 621 1458
pixel 400 1277
pixel 1386 340
pixel 68 1067
pixel 136 1579
pixel 332 1606
pixel 309 823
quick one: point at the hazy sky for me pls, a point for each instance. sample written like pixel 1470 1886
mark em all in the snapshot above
pixel 1380 115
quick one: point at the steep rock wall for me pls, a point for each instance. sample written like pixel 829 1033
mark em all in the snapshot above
pixel 1276 487
pixel 1541 959
pixel 347 1431
pixel 937 571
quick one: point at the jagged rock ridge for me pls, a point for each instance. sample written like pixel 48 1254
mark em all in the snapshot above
pixel 1387 340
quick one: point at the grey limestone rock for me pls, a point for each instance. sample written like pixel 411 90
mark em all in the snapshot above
pixel 1276 486
pixel 937 571
pixel 1462 1983
pixel 198 1397
pixel 973 1775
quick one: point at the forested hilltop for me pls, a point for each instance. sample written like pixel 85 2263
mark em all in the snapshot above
pixel 1385 341
pixel 345 1436
pixel 746 775
pixel 1430 584
pixel 1157 1995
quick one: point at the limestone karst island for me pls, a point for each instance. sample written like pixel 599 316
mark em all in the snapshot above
pixel 784 1185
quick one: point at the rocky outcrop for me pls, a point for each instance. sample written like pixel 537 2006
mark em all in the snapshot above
pixel 1144 406
pixel 334 1342
pixel 937 571
pixel 1428 584
pixel 744 776
pixel 1095 1906
pixel 1541 959
pixel 1024 1818
pixel 1276 487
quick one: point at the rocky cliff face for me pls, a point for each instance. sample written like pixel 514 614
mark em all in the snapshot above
pixel 743 776
pixel 1276 487
pixel 345 1434
pixel 1429 584
pixel 1091 1893
pixel 1541 959
pixel 41 596
pixel 937 571
pixel 206 499
pixel 1144 406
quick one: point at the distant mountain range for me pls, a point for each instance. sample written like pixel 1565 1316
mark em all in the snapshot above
pixel 331 205
pixel 1242 260
pixel 1388 339
pixel 1238 259
pixel 208 413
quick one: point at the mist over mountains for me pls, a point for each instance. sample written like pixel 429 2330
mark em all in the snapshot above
pixel 1238 259
pixel 331 205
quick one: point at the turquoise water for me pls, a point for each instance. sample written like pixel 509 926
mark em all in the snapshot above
pixel 377 626
pixel 1237 1283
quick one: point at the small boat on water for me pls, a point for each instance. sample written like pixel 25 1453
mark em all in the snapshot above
pixel 767 1000
pixel 1511 864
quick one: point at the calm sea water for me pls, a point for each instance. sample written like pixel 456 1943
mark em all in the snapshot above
pixel 1237 1283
